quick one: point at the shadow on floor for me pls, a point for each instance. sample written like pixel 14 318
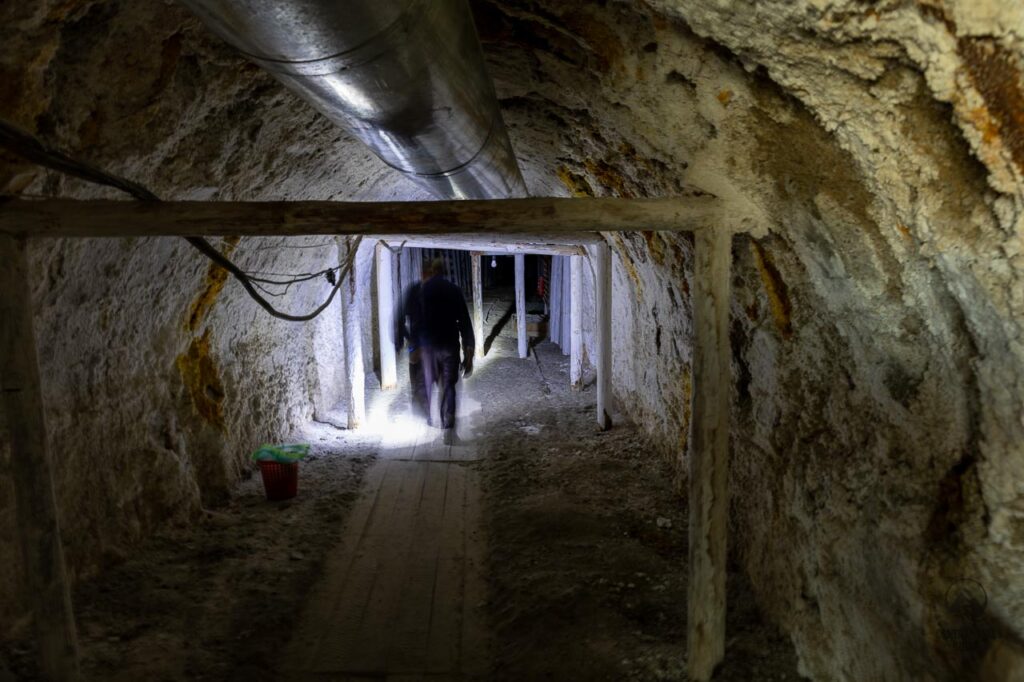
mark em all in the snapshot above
pixel 498 326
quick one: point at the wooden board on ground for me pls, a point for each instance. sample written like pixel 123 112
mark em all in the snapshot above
pixel 403 591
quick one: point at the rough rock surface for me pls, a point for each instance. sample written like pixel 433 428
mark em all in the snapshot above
pixel 879 399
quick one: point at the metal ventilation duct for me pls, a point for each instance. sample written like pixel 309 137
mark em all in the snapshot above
pixel 406 77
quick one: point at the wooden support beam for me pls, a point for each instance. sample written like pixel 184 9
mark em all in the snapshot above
pixel 576 321
pixel 355 372
pixel 566 324
pixel 405 274
pixel 478 304
pixel 603 304
pixel 555 300
pixel 569 244
pixel 709 454
pixel 35 519
pixel 521 304
pixel 544 216
pixel 386 317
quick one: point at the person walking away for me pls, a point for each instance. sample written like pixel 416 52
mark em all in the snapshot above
pixel 445 322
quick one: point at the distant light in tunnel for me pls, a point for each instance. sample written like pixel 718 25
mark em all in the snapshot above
pixel 494 262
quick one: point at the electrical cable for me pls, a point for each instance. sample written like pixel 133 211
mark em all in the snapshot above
pixel 32 149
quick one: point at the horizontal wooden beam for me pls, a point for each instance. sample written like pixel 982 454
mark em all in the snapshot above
pixel 502 244
pixel 543 216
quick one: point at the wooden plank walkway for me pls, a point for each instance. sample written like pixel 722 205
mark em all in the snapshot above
pixel 402 594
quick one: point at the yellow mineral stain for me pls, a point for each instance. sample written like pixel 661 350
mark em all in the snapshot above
pixel 202 379
pixel 609 178
pixel 725 96
pixel 776 289
pixel 655 246
pixel 576 184
pixel 216 278
pixel 627 262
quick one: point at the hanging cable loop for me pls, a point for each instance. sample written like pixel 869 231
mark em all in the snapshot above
pixel 35 150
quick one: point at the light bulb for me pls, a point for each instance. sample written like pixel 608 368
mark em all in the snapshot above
pixel 494 262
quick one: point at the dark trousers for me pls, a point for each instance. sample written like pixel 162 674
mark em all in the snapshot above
pixel 418 385
pixel 441 364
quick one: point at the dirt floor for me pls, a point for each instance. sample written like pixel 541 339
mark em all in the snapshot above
pixel 587 569
pixel 585 560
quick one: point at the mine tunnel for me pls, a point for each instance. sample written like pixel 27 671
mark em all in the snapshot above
pixel 730 296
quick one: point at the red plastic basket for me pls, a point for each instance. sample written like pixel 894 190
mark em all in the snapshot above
pixel 280 480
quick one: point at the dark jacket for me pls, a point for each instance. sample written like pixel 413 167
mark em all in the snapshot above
pixel 445 316
pixel 437 316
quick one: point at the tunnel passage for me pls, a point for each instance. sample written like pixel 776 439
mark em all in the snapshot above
pixel 874 329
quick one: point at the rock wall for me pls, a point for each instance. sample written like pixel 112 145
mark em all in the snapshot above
pixel 878 414
pixel 877 411
pixel 160 374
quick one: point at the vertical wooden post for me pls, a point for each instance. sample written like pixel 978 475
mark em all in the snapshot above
pixel 566 325
pixel 35 503
pixel 355 372
pixel 603 303
pixel 576 321
pixel 521 304
pixel 555 299
pixel 405 279
pixel 386 317
pixel 416 260
pixel 478 304
pixel 709 453
pixel 396 284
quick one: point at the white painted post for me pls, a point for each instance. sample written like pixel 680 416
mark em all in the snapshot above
pixel 35 504
pixel 566 324
pixel 386 317
pixel 709 454
pixel 404 270
pixel 478 304
pixel 355 372
pixel 396 282
pixel 521 304
pixel 416 258
pixel 555 298
pixel 603 303
pixel 576 321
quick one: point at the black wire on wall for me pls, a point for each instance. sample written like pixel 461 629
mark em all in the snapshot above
pixel 31 148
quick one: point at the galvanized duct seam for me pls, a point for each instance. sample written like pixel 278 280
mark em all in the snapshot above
pixel 407 78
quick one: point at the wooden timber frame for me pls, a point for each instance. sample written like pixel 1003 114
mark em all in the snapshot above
pixel 515 226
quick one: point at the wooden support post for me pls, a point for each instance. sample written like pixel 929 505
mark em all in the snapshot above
pixel 555 298
pixel 386 317
pixel 396 283
pixel 521 304
pixel 576 321
pixel 405 276
pixel 603 303
pixel 478 304
pixel 355 372
pixel 35 519
pixel 566 324
pixel 416 256
pixel 709 454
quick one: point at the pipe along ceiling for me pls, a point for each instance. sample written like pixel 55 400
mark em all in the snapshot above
pixel 406 77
